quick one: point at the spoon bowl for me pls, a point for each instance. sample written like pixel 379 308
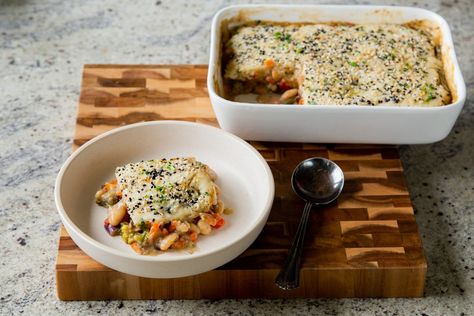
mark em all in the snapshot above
pixel 318 181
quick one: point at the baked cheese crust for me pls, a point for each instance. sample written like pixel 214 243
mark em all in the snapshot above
pixel 366 64
pixel 167 189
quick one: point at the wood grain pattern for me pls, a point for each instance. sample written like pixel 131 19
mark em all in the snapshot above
pixel 364 245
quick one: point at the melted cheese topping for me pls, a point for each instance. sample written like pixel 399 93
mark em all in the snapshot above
pixel 375 64
pixel 167 189
pixel 252 46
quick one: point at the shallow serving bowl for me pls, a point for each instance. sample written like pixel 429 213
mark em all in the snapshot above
pixel 335 124
pixel 244 177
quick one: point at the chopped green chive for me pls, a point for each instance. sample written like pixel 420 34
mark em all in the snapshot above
pixel 403 85
pixel 163 198
pixel 299 49
pixel 169 167
pixel 142 225
pixel 283 37
pixel 429 92
pixel 393 54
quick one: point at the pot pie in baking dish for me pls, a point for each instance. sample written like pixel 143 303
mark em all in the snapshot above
pixel 335 64
pixel 157 205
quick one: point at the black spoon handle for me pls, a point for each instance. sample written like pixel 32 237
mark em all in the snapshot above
pixel 289 276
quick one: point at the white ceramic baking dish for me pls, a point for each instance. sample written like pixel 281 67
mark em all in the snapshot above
pixel 335 124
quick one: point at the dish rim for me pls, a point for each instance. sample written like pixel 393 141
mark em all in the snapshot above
pixel 66 220
pixel 445 29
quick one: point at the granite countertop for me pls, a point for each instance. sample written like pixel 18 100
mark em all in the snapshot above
pixel 43 46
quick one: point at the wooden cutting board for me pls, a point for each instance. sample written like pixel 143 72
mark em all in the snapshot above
pixel 365 245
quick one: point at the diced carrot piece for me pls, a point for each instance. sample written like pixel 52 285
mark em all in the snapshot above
pixel 283 85
pixel 154 227
pixel 193 236
pixel 154 231
pixel 109 185
pixel 220 222
pixel 173 226
pixel 136 247
pixel 178 244
pixel 301 101
pixel 269 63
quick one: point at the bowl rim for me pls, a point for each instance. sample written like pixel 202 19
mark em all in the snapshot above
pixel 69 224
pixel 460 87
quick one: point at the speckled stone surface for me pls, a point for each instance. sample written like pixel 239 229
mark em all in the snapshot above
pixel 43 45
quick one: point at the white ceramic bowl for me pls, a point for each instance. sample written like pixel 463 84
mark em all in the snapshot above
pixel 243 176
pixel 326 123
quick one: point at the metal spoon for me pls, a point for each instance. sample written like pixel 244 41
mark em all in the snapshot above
pixel 317 181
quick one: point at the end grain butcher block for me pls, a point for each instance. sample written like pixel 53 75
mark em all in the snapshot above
pixel 364 245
